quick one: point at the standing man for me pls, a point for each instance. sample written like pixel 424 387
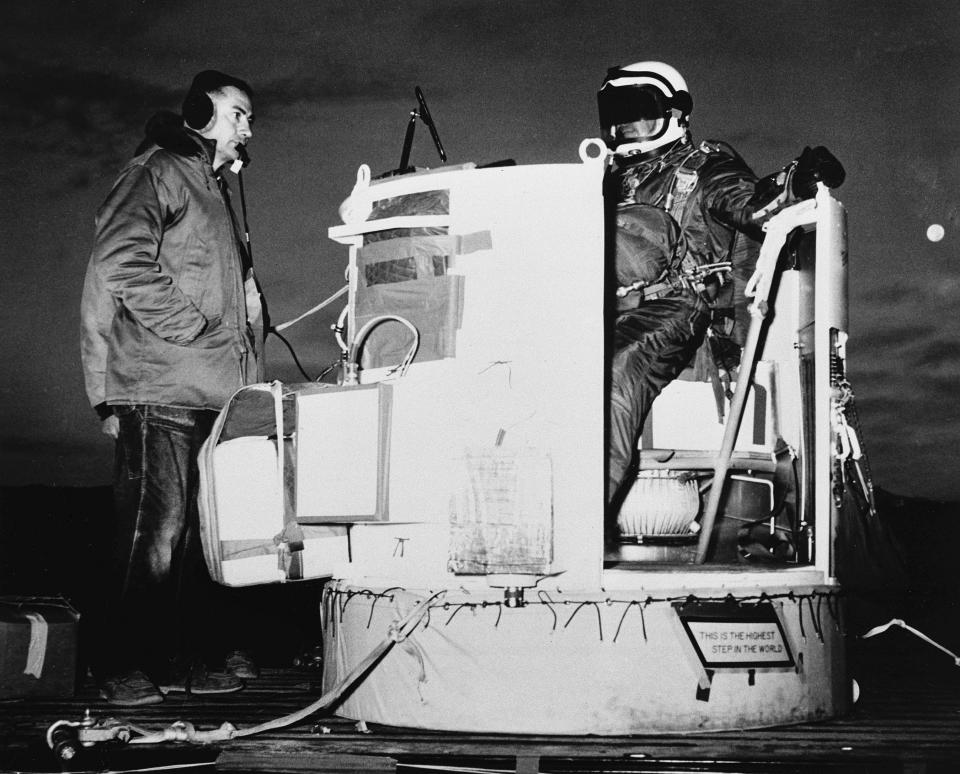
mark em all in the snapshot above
pixel 172 325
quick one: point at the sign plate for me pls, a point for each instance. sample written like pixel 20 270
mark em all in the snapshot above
pixel 731 636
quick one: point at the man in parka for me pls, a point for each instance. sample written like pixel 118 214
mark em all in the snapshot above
pixel 172 325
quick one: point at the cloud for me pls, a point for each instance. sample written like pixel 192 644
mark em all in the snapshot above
pixel 482 22
pixel 921 36
pixel 940 355
pixel 90 117
pixel 928 169
pixel 895 337
pixel 95 119
pixel 942 388
pixel 339 84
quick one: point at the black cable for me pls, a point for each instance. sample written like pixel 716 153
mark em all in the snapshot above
pixel 292 353
pixel 246 225
pixel 270 329
pixel 335 364
pixel 246 234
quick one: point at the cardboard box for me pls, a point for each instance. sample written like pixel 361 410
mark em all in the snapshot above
pixel 38 647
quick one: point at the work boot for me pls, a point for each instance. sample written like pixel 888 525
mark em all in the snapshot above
pixel 240 663
pixel 197 681
pixel 132 689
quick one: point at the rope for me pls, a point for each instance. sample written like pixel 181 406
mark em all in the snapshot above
pixel 399 630
pixel 899 622
pixel 317 308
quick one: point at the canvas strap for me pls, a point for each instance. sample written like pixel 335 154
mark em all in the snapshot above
pixel 288 543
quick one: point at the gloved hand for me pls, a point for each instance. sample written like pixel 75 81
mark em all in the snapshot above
pixel 816 165
pixel 795 182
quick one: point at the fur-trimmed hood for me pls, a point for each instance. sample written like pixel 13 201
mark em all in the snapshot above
pixel 168 131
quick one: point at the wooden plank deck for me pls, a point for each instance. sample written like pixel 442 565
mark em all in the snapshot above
pixel 907 719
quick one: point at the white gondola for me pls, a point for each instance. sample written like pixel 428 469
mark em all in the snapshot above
pixel 482 322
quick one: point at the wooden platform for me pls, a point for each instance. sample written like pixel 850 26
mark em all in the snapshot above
pixel 907 719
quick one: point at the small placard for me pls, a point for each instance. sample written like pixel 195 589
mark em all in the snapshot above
pixel 501 515
pixel 730 636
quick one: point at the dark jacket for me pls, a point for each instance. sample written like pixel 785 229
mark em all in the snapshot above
pixel 717 206
pixel 164 313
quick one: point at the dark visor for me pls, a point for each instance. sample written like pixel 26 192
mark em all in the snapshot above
pixel 626 104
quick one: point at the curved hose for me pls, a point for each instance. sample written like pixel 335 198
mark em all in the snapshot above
pixel 399 630
pixel 317 308
pixel 352 367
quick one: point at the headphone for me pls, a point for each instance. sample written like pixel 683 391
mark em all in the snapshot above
pixel 197 109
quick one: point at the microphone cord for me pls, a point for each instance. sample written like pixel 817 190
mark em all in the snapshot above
pixel 293 354
pixel 243 211
pixel 273 328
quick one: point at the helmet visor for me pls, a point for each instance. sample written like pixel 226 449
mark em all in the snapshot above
pixel 626 104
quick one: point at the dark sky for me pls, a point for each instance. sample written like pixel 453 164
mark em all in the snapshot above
pixel 876 82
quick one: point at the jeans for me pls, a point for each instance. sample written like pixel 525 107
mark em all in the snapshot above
pixel 651 346
pixel 163 613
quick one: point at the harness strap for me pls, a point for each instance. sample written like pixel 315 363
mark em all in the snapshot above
pixel 288 544
pixel 290 539
pixel 674 281
pixel 669 283
pixel 686 178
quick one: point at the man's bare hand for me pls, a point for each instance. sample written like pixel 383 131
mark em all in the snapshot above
pixel 110 426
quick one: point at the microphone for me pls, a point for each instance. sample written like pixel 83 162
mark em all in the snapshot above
pixel 242 160
pixel 428 120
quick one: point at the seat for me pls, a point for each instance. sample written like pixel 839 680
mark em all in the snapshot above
pixel 679 448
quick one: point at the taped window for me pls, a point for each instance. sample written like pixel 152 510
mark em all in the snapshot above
pixel 405 272
pixel 403 269
pixel 419 203
pixel 408 277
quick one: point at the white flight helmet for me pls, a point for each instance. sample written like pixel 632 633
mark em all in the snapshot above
pixel 649 92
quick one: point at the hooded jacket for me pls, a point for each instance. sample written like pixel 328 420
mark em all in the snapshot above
pixel 165 318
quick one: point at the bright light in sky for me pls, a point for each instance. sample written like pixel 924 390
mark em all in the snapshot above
pixel 935 232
